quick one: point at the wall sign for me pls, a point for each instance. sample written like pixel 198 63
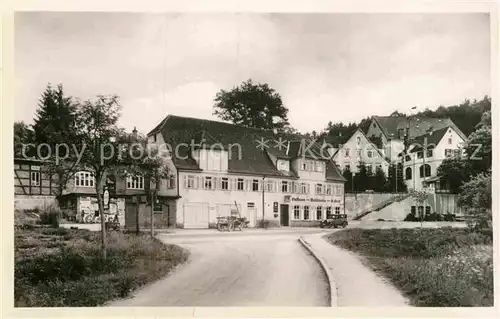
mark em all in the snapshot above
pixel 275 207
pixel 315 200
pixel 106 199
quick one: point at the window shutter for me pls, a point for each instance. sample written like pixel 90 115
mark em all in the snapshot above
pixel 196 182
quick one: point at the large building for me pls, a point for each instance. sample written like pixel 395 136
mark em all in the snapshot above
pixel 218 169
pixel 359 149
pixel 426 153
pixel 418 165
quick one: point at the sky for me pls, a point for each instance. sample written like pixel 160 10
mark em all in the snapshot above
pixel 336 67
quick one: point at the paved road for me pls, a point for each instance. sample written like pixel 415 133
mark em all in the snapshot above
pixel 247 269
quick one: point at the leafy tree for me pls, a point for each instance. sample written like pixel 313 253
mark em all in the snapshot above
pixel 419 196
pixel 379 180
pixel 363 178
pixel 395 179
pixel 348 176
pixel 476 198
pixel 22 135
pixel 396 113
pixel 478 146
pixel 108 149
pixel 252 105
pixel 455 171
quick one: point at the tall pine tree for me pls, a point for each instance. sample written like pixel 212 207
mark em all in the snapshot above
pixel 55 120
pixel 379 180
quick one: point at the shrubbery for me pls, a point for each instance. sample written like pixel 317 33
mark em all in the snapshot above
pixel 55 272
pixel 447 266
pixel 434 217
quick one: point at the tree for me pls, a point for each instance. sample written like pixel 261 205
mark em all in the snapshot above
pixel 55 118
pixel 348 176
pixel 252 105
pixel 22 135
pixel 363 179
pixel 454 171
pixel 478 146
pixel 379 180
pixel 419 196
pixel 395 180
pixel 55 125
pixel 476 198
pixel 109 150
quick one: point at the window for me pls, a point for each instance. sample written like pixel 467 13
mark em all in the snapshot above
pixel 408 173
pixel 303 166
pixel 401 133
pixel 171 181
pixel 304 188
pixel 328 189
pixel 448 152
pixel 328 212
pixel 337 210
pixel 135 182
pixel 306 212
pixel 358 153
pixel 346 152
pixel 450 140
pixel 319 213
pixel 425 169
pixel 154 138
pixel 429 153
pixel 225 183
pixel 35 178
pixel 413 210
pixel 319 166
pixel 348 167
pixel 420 154
pixel 319 189
pixel 284 186
pixel 427 210
pixel 250 205
pixel 240 184
pixel 269 186
pixel 358 140
pixel 296 187
pixel 296 212
pixel 369 154
pixel 208 182
pixel 190 181
pixel 84 179
pixel 407 158
pixel 255 185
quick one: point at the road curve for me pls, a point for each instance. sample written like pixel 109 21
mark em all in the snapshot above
pixel 260 270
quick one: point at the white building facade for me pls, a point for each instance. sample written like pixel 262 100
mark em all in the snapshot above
pixel 223 173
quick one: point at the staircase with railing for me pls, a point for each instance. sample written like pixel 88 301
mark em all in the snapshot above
pixel 381 205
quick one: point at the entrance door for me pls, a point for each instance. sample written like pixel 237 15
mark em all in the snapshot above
pixel 196 215
pixel 284 215
pixel 130 215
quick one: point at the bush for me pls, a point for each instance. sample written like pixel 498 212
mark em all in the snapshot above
pixel 263 223
pixel 449 217
pixel 75 274
pixel 410 218
pixel 444 267
pixel 50 216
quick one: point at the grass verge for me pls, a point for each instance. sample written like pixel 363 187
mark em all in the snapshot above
pixel 58 267
pixel 444 267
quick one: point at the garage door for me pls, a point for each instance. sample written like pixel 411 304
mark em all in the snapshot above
pixel 196 215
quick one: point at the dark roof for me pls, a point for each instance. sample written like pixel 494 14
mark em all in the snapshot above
pixel 417 125
pixel 433 139
pixel 242 144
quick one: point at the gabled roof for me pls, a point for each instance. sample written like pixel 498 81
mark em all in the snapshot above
pixel 417 125
pixel 371 143
pixel 252 159
pixel 433 139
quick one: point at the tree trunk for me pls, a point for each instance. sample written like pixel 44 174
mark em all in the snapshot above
pixel 100 203
pixel 138 202
pixel 153 199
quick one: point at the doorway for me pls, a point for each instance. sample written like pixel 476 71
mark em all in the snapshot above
pixel 284 215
